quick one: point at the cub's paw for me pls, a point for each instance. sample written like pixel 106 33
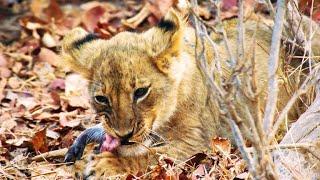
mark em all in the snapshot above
pixel 104 165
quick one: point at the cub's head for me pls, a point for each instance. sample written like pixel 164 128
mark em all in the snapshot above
pixel 133 78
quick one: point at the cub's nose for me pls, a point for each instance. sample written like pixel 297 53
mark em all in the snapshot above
pixel 124 138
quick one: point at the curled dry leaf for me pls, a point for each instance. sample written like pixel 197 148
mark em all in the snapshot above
pixel 200 173
pixel 221 145
pixel 37 7
pixel 46 55
pixel 52 134
pixel 26 100
pixel 18 141
pixel 76 91
pixel 39 141
pixel 68 139
pixel 68 119
pixel 8 124
pixel 48 40
pixel 53 11
pixel 91 18
pixel 159 8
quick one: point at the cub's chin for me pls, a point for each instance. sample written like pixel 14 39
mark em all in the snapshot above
pixel 134 149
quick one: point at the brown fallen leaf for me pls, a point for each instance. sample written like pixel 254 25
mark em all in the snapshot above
pixel 39 141
pixel 7 123
pixel 57 84
pixel 27 100
pixel 46 55
pixel 76 91
pixel 222 145
pixel 3 83
pixel 68 139
pixel 48 40
pixel 91 17
pixel 160 8
pixel 18 141
pixel 196 159
pixel 53 11
pixel 64 119
pixel 52 134
pixel 37 6
pixel 200 173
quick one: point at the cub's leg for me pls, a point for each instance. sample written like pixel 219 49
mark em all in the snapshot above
pixel 106 164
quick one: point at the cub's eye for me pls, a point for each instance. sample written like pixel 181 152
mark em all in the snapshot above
pixel 140 92
pixel 101 100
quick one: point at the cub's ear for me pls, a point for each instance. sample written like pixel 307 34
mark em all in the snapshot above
pixel 166 40
pixel 80 50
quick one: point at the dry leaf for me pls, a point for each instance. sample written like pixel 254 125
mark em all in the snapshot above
pixel 18 141
pixel 8 124
pixel 57 84
pixel 52 134
pixel 91 18
pixel 219 144
pixel 160 8
pixel 64 119
pixel 48 40
pixel 46 55
pixel 27 100
pixel 76 91
pixel 5 72
pixel 39 141
pixel 3 83
pixel 37 7
pixel 14 82
pixel 244 175
pixel 53 11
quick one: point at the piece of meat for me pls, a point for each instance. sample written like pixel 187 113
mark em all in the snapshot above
pixel 94 134
pixel 109 143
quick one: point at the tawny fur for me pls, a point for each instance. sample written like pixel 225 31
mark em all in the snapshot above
pixel 176 107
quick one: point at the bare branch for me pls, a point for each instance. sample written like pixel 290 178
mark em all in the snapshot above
pixel 273 66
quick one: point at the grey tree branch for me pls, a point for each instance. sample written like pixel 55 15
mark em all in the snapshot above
pixel 273 66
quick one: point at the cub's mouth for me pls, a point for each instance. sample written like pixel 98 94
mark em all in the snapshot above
pixel 111 144
pixel 127 142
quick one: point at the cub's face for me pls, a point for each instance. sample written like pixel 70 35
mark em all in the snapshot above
pixel 133 78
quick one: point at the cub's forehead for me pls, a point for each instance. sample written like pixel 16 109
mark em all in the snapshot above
pixel 124 63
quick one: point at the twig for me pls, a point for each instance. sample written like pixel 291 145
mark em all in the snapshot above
pixel 134 21
pixel 241 145
pixel 241 32
pixel 290 146
pixel 51 154
pixel 273 66
pixel 42 174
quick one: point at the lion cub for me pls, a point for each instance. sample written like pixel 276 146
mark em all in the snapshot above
pixel 151 94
